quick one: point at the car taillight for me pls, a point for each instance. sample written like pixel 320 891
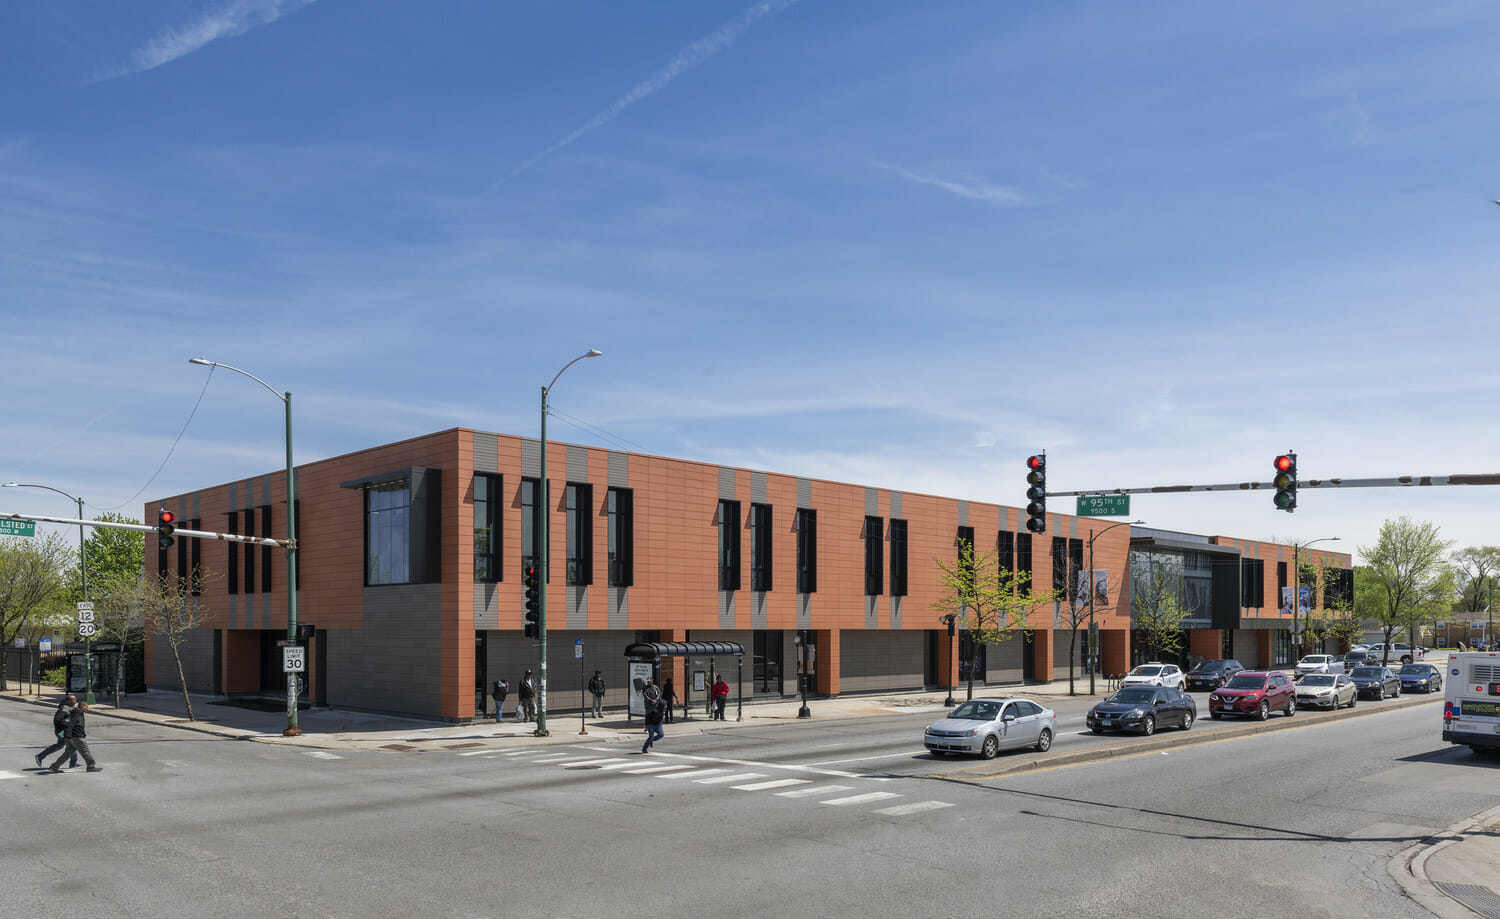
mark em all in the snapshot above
pixel 1449 713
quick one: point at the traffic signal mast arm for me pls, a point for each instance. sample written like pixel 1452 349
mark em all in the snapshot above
pixel 1393 481
pixel 146 528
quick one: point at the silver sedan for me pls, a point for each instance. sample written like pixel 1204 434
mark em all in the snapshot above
pixel 987 726
pixel 1326 690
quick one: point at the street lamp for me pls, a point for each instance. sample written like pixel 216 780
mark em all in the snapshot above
pixel 950 621
pixel 292 730
pixel 801 638
pixel 1297 588
pixel 1093 638
pixel 541 605
pixel 83 577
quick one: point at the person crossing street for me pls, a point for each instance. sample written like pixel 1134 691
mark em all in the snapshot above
pixel 77 745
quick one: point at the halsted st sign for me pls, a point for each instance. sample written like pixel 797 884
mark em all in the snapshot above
pixel 9 526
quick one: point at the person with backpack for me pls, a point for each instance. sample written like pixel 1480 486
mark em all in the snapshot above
pixel 654 705
pixel 526 710
pixel 499 693
pixel 60 731
pixel 596 689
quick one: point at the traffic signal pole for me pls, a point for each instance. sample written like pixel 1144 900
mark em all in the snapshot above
pixel 1389 482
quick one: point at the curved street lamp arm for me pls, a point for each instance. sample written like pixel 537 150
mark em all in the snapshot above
pixel 244 373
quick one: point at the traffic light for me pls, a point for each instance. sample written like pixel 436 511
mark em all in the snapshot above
pixel 164 528
pixel 1286 482
pixel 528 581
pixel 1036 510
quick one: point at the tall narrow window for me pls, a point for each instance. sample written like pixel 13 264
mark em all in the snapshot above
pixel 196 570
pixel 1023 562
pixel 760 547
pixel 1059 563
pixel 265 551
pixel 232 575
pixel 898 558
pixel 874 567
pixel 388 533
pixel 966 540
pixel 621 519
pixel 532 518
pixel 807 550
pixel 488 499
pixel 729 545
pixel 1005 553
pixel 1075 559
pixel 249 548
pixel 578 500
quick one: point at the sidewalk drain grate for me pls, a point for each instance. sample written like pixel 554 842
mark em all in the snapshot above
pixel 1477 897
pixel 399 747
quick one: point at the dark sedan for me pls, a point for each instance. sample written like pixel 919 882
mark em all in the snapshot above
pixel 1143 709
pixel 1210 675
pixel 1375 682
pixel 1420 678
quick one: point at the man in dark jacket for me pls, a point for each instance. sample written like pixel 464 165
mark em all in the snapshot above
pixel 596 689
pixel 526 692
pixel 655 712
pixel 499 693
pixel 60 731
pixel 77 746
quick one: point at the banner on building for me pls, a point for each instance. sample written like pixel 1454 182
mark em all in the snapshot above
pixel 1304 595
pixel 1096 579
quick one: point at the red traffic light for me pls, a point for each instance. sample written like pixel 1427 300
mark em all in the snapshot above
pixel 1284 463
pixel 166 517
pixel 1036 462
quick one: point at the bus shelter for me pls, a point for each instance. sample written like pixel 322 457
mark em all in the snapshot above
pixel 645 656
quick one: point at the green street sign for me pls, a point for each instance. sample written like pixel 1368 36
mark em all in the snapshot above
pixel 1104 506
pixel 9 527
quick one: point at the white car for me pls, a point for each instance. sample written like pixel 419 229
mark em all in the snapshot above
pixel 1319 663
pixel 1326 690
pixel 1400 651
pixel 987 726
pixel 1156 674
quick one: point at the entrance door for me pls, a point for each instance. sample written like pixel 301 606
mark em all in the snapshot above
pixel 481 675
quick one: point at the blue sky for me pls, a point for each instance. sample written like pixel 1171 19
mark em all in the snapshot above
pixel 881 242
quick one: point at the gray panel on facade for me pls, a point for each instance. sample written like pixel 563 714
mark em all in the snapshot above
pixel 1005 662
pixel 619 607
pixel 882 660
pixel 486 606
pixel 232 611
pixel 578 607
pixel 619 469
pixel 726 483
pixel 872 502
pixel 895 612
pixel 758 487
pixel 872 614
pixel 486 452
pixel 726 609
pixel 393 663
pixel 578 463
pixel 531 457
pixel 266 610
pixel 895 505
pixel 963 514
pixel 804 493
pixel 804 611
pixel 758 609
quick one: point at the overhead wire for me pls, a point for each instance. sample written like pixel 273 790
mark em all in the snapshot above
pixel 170 449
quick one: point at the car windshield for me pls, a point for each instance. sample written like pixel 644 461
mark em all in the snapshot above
pixel 1133 696
pixel 1146 670
pixel 1315 659
pixel 1316 679
pixel 976 711
pixel 1415 668
pixel 1210 666
pixel 1240 681
pixel 1367 672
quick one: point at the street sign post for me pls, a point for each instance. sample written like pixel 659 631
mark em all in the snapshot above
pixel 1104 505
pixel 12 527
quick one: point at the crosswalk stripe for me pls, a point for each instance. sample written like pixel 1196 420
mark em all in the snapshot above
pixel 9 775
pixel 576 763
pixel 901 810
pixel 690 775
pixel 650 769
pixel 774 783
pixel 737 777
pixel 617 764
pixel 815 790
pixel 861 799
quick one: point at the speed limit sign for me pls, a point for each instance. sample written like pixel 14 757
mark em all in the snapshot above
pixel 293 660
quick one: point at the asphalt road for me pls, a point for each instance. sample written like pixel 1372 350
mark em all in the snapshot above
pixel 827 818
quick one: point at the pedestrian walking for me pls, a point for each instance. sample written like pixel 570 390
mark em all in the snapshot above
pixel 721 696
pixel 526 692
pixel 60 731
pixel 501 690
pixel 669 698
pixel 596 689
pixel 77 745
pixel 654 705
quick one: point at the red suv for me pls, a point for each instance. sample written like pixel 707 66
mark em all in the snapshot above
pixel 1253 693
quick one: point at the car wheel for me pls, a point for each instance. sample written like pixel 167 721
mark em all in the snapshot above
pixel 1148 727
pixel 1044 742
pixel 1265 710
pixel 1187 721
pixel 1353 699
pixel 1291 707
pixel 1406 658
pixel 991 747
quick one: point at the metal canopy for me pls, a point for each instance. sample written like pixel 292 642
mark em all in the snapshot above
pixel 656 650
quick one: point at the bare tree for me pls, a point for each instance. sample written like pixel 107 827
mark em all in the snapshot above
pixel 984 598
pixel 170 608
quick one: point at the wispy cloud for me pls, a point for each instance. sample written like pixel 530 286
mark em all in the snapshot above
pixel 1001 195
pixel 694 54
pixel 224 21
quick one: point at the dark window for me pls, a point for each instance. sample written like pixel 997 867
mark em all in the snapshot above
pixel 531 525
pixel 807 550
pixel 1005 552
pixel 488 501
pixel 1281 582
pixel 578 500
pixel 1252 582
pixel 1075 559
pixel 898 558
pixel 265 551
pixel 729 545
pixel 1023 562
pixel 874 567
pixel 233 574
pixel 197 559
pixel 388 533
pixel 249 550
pixel 1059 563
pixel 760 547
pixel 966 538
pixel 182 552
pixel 621 535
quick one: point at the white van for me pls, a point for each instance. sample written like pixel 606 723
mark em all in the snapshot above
pixel 1471 705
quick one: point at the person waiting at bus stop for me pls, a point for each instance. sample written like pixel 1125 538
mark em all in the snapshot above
pixel 721 696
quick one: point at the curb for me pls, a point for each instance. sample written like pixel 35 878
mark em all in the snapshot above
pixel 1408 868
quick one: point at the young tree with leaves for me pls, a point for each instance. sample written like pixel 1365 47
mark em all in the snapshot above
pixel 1405 576
pixel 1474 570
pixel 33 588
pixel 1157 604
pixel 984 598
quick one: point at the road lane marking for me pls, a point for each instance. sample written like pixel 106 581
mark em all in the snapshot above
pixel 901 810
pixel 579 763
pixel 736 777
pixel 859 759
pixel 321 754
pixel 774 783
pixel 689 775
pixel 861 799
pixel 815 790
pixel 10 775
pixel 650 769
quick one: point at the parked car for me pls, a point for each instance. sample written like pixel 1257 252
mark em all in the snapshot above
pixel 1155 674
pixel 1143 709
pixel 1210 675
pixel 1375 682
pixel 1398 652
pixel 1359 647
pixel 1359 659
pixel 987 726
pixel 1327 690
pixel 1319 663
pixel 1424 677
pixel 1253 694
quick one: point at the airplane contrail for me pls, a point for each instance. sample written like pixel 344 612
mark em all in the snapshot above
pixel 226 21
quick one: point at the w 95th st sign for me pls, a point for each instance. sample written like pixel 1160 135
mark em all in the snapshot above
pixel 12 527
